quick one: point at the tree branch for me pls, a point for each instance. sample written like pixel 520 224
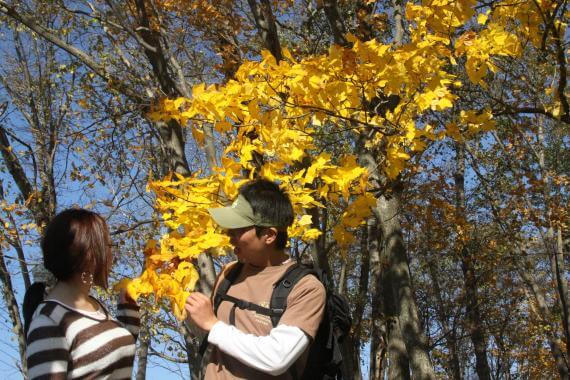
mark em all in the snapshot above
pixel 122 229
pixel 50 36
pixel 335 22
pixel 14 166
pixel 265 23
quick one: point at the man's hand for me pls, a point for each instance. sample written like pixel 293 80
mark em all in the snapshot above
pixel 200 310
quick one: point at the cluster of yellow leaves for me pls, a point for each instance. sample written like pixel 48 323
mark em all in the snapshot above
pixel 169 109
pixel 11 227
pixel 526 18
pixel 183 202
pixel 169 272
pixel 480 47
pixel 271 114
pixel 469 124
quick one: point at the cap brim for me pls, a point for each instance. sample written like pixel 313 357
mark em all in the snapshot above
pixel 228 218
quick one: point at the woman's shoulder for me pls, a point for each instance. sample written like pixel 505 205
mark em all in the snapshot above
pixel 61 310
pixel 46 321
pixel 50 309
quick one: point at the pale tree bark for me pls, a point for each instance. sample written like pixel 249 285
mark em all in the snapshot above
pixel 192 340
pixel 561 281
pixel 9 298
pixel 561 278
pixel 398 359
pixel 406 340
pixel 378 333
pixel 387 211
pixel 349 366
pixel 473 313
pixel 143 346
pixel 402 293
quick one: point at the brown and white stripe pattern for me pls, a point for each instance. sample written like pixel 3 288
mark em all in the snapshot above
pixel 64 343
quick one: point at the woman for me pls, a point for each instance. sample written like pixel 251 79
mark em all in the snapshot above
pixel 69 334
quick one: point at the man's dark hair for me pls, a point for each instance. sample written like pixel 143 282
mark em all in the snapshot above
pixel 77 241
pixel 267 199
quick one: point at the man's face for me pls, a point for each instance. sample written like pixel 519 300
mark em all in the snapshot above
pixel 248 246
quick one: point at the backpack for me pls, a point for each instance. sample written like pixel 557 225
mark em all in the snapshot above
pixel 325 357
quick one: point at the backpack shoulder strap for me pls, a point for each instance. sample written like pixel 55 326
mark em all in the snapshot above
pixel 283 287
pixel 227 281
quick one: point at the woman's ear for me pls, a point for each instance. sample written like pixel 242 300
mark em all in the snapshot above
pixel 270 235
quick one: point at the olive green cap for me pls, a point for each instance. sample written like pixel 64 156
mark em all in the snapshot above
pixel 238 215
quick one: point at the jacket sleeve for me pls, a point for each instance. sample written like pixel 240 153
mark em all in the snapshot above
pixel 129 316
pixel 272 354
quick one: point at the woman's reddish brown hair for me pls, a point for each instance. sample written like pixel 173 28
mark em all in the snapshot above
pixel 77 241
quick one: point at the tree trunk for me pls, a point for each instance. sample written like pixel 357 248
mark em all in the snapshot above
pixel 143 347
pixel 12 305
pixel 473 314
pixel 335 22
pixel 266 26
pixel 401 294
pixel 441 312
pixel 351 346
pixel 524 267
pixel 562 287
pixel 377 333
pixel 192 345
pixel 553 245
pixel 397 355
pixel 544 314
pixel 319 249
pixel 473 317
pixel 398 359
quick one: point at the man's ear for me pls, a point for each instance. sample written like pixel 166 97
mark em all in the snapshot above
pixel 270 235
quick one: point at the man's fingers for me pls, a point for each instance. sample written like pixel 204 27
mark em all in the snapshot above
pixel 197 297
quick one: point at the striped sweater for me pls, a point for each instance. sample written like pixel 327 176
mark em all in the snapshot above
pixel 64 343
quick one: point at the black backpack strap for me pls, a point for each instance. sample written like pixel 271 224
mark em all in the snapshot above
pixel 228 280
pixel 281 291
pixel 221 291
pixel 284 286
pixel 246 305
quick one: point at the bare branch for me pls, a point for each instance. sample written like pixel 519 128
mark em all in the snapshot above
pixel 85 58
pixel 265 23
pixel 335 22
pixel 14 165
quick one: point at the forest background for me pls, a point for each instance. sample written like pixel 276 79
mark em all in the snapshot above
pixel 424 145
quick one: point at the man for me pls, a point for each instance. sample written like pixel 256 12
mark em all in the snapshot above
pixel 244 343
